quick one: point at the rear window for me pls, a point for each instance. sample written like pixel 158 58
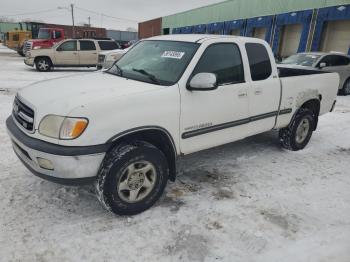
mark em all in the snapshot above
pixel 259 61
pixel 108 45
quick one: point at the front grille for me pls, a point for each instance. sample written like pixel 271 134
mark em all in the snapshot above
pixel 27 46
pixel 101 58
pixel 23 114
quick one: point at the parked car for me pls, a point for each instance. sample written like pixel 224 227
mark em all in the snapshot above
pixel 332 62
pixel 69 53
pixel 107 58
pixel 169 96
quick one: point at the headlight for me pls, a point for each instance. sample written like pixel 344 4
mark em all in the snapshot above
pixel 36 47
pixel 115 57
pixel 64 128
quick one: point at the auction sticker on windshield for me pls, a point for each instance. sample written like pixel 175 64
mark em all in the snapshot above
pixel 173 54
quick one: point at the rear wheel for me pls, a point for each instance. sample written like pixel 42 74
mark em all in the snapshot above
pixel 346 88
pixel 298 134
pixel 132 178
pixel 43 64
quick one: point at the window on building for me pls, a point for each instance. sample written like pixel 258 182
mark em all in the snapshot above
pixel 225 61
pixel 259 61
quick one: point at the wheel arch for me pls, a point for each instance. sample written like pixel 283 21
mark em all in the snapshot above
pixel 157 136
pixel 43 56
pixel 314 105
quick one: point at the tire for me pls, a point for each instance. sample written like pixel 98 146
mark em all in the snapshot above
pixel 124 186
pixel 346 88
pixel 20 53
pixel 43 64
pixel 297 135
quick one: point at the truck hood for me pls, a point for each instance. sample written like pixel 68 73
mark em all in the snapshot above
pixel 61 95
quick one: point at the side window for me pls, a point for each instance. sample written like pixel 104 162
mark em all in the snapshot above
pixel 341 61
pixel 87 45
pixel 327 60
pixel 225 61
pixel 68 46
pixel 259 61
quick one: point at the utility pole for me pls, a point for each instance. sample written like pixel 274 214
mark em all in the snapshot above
pixel 89 21
pixel 72 9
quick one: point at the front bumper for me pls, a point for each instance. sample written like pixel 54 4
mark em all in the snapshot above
pixel 29 61
pixel 72 165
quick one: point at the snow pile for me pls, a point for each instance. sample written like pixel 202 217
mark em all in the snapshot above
pixel 247 201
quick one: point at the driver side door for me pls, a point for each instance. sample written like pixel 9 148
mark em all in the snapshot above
pixel 216 117
pixel 67 54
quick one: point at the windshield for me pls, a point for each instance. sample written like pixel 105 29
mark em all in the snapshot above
pixel 158 62
pixel 44 34
pixel 301 59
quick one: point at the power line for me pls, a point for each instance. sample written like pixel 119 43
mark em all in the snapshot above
pixel 32 13
pixel 102 14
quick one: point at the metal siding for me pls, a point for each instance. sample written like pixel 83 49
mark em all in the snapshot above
pixel 235 25
pixel 242 9
pixel 122 35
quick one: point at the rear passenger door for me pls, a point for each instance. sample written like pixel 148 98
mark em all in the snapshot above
pixel 212 118
pixel 265 88
pixel 67 54
pixel 88 53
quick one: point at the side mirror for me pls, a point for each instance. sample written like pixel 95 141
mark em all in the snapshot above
pixel 203 82
pixel 322 65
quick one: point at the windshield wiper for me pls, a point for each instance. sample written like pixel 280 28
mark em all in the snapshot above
pixel 153 78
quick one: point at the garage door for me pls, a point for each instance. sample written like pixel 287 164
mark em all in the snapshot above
pixel 260 32
pixel 336 36
pixel 235 32
pixel 290 39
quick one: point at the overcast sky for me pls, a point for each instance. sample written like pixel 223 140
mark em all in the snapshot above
pixel 132 11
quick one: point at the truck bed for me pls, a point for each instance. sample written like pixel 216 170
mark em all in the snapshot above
pixel 300 85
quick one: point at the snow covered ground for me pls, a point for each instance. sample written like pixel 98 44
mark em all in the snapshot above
pixel 247 201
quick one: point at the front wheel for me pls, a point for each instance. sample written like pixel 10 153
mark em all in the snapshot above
pixel 43 64
pixel 298 134
pixel 132 178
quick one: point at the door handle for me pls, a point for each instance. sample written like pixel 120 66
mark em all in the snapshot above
pixel 241 95
pixel 258 92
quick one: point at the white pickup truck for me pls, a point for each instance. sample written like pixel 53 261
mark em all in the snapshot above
pixel 168 97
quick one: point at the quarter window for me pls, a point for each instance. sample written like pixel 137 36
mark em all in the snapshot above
pixel 68 46
pixel 225 61
pixel 259 61
pixel 108 45
pixel 87 45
